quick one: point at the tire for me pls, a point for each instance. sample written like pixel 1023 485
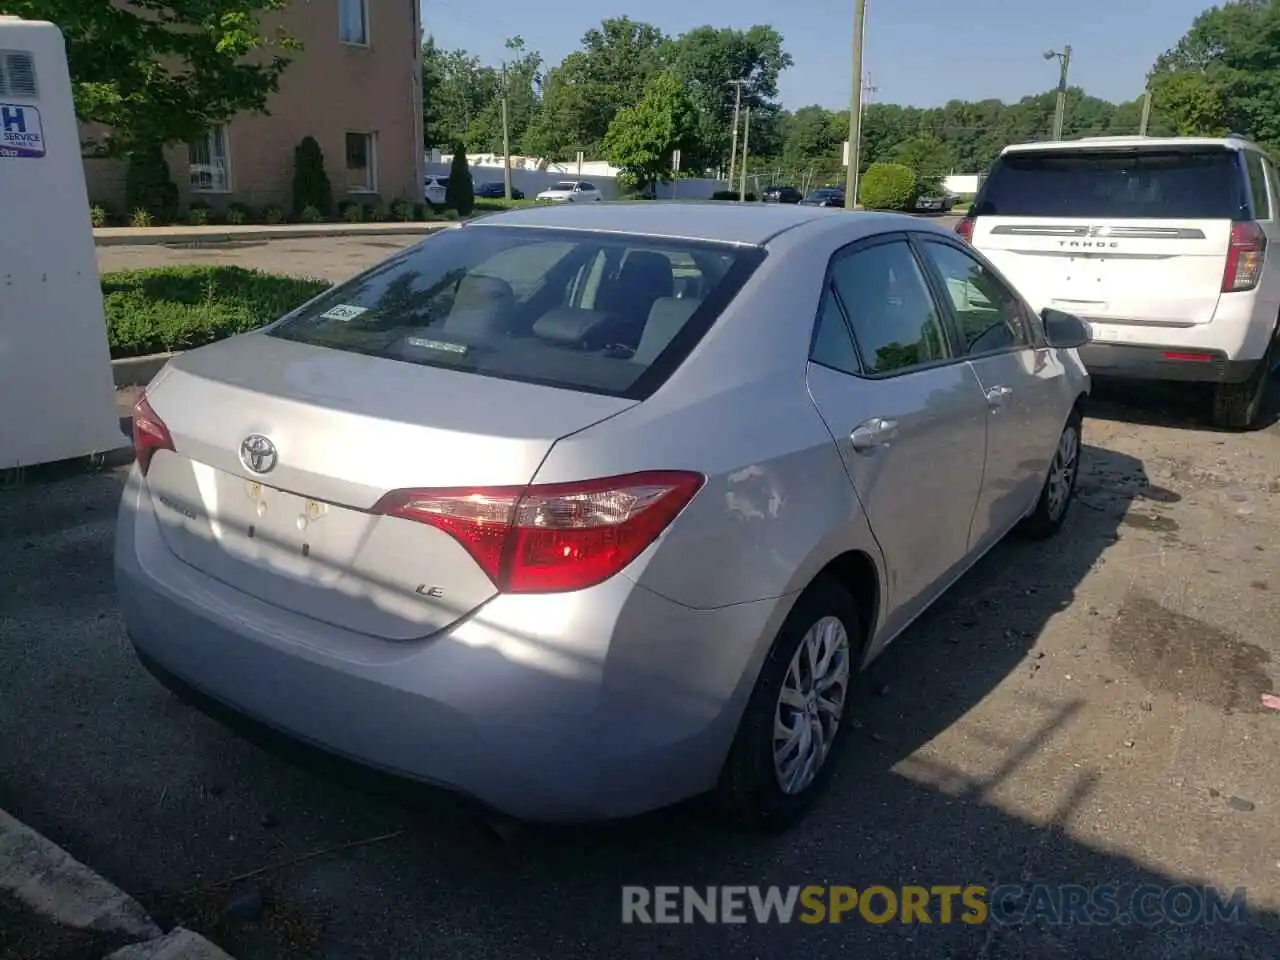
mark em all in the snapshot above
pixel 1060 485
pixel 1238 406
pixel 750 791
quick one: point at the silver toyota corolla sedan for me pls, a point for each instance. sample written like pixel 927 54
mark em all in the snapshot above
pixel 583 511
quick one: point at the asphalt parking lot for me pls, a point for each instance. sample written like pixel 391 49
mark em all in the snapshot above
pixel 1085 711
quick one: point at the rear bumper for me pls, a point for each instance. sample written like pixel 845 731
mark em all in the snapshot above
pixel 552 708
pixel 1187 365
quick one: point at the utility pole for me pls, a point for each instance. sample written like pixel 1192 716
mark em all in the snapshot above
pixel 746 133
pixel 855 108
pixel 506 138
pixel 737 107
pixel 1146 112
pixel 1060 111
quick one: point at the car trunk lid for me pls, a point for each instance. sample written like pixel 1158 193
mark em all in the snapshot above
pixel 345 430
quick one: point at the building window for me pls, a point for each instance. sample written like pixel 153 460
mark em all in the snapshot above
pixel 353 21
pixel 360 163
pixel 210 165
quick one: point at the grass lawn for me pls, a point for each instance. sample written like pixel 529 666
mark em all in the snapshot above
pixel 177 308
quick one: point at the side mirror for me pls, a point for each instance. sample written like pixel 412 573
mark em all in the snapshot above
pixel 1063 330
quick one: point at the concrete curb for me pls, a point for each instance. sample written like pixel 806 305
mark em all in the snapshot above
pixel 133 236
pixel 60 888
pixel 138 371
pixel 53 883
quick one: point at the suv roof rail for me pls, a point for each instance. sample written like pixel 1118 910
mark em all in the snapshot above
pixel 1236 136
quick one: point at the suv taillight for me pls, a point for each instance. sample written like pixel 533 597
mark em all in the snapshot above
pixel 552 538
pixel 149 434
pixel 1245 252
pixel 964 229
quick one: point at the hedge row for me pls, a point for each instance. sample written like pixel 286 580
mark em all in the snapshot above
pixel 177 308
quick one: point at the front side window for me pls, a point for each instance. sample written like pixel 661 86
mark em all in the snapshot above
pixel 892 313
pixel 990 317
pixel 353 21
pixel 581 311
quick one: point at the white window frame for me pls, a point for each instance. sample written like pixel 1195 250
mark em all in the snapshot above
pixel 363 7
pixel 371 184
pixel 209 145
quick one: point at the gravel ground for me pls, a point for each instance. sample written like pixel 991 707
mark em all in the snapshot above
pixel 1083 711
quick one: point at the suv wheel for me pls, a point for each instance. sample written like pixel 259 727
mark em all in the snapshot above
pixel 1237 406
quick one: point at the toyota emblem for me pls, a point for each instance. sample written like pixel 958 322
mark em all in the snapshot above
pixel 258 454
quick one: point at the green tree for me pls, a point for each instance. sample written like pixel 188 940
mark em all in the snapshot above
pixel 156 73
pixel 1224 74
pixel 888 186
pixel 524 80
pixel 433 134
pixel 929 157
pixel 311 186
pixel 460 193
pixel 466 92
pixel 641 139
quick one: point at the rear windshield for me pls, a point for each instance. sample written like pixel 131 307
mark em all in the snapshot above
pixel 1157 184
pixel 604 313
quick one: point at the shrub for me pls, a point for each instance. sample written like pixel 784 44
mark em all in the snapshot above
pixel 379 212
pixel 888 186
pixel 273 214
pixel 198 216
pixel 351 212
pixel 141 219
pixel 98 215
pixel 402 211
pixel 310 215
pixel 148 185
pixel 177 308
pixel 239 213
pixel 310 183
pixel 460 194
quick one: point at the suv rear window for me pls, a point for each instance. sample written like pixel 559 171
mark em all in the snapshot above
pixel 604 313
pixel 1158 184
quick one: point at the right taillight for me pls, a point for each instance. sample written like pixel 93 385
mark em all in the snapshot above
pixel 964 229
pixel 552 538
pixel 149 434
pixel 1245 252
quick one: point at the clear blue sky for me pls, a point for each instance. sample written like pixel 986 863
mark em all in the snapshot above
pixel 918 52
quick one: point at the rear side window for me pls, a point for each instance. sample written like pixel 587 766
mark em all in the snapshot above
pixel 1258 185
pixel 1155 184
pixel 604 313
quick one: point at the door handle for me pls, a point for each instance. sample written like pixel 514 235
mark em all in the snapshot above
pixel 996 396
pixel 876 432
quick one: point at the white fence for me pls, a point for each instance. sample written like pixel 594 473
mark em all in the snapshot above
pixel 533 182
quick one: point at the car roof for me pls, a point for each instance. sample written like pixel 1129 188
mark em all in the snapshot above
pixel 718 221
pixel 1231 142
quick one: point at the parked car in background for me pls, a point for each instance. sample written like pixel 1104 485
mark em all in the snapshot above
pixel 781 195
pixel 570 191
pixel 935 202
pixel 433 189
pixel 1165 246
pixel 825 197
pixel 504 514
pixel 496 189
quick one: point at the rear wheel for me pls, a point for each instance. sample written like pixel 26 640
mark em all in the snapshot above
pixel 1060 485
pixel 781 757
pixel 1237 406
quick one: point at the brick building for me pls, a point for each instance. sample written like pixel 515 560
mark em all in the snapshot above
pixel 356 86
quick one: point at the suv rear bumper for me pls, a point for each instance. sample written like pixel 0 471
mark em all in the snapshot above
pixel 1187 365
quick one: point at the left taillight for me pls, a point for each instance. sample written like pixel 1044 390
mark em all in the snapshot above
pixel 964 229
pixel 552 538
pixel 149 434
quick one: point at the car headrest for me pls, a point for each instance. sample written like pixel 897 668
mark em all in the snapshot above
pixel 666 318
pixel 647 272
pixel 477 290
pixel 568 324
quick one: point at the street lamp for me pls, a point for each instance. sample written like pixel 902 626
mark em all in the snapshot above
pixel 1064 58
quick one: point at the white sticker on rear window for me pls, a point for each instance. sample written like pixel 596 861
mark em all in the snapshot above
pixel 344 312
pixel 437 345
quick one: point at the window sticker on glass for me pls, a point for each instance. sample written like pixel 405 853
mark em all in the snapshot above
pixel 437 345
pixel 344 312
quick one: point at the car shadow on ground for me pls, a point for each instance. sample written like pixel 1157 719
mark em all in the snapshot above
pixel 1180 406
pixel 339 872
